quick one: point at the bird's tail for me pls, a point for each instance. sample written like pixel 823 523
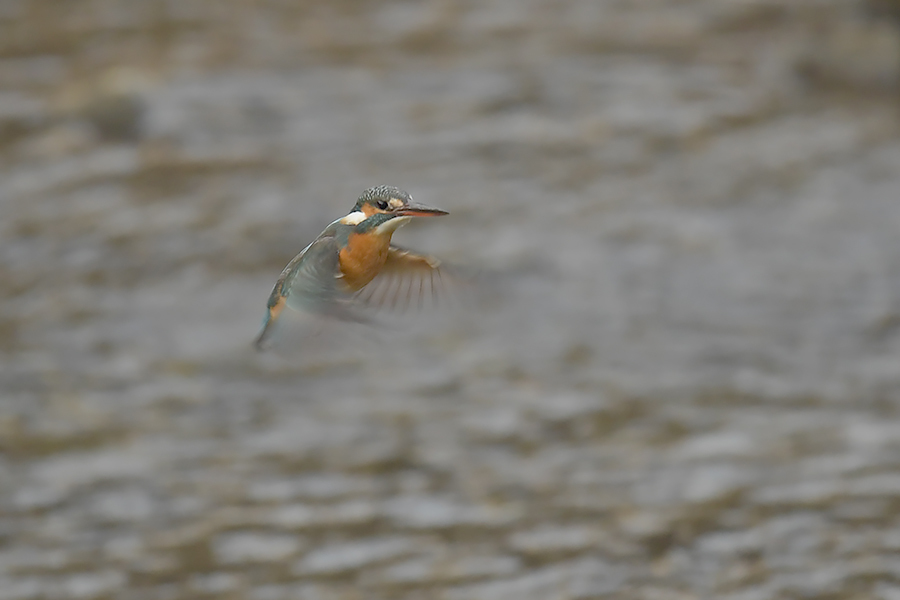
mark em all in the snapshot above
pixel 262 340
pixel 269 322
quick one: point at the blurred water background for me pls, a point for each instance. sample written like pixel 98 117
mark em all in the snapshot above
pixel 687 384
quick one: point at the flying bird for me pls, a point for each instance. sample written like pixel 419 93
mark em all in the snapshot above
pixel 353 265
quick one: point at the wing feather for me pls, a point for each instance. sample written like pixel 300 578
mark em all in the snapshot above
pixel 310 283
pixel 407 281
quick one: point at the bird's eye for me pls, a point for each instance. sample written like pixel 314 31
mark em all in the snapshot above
pixel 382 204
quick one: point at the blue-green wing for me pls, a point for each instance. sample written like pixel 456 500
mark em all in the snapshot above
pixel 310 283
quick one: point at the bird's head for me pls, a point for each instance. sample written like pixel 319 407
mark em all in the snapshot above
pixel 385 208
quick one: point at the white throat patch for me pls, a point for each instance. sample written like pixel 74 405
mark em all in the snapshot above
pixel 392 225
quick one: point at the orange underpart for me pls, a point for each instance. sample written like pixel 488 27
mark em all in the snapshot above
pixel 363 258
pixel 276 308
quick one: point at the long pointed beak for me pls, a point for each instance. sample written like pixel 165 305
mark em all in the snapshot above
pixel 420 210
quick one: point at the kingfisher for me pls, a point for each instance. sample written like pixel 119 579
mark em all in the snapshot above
pixel 353 264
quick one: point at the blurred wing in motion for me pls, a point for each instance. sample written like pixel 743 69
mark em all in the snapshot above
pixel 407 281
pixel 308 284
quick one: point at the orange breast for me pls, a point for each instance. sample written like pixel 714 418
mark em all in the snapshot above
pixel 362 258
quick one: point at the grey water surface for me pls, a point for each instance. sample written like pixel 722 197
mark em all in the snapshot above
pixel 679 376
